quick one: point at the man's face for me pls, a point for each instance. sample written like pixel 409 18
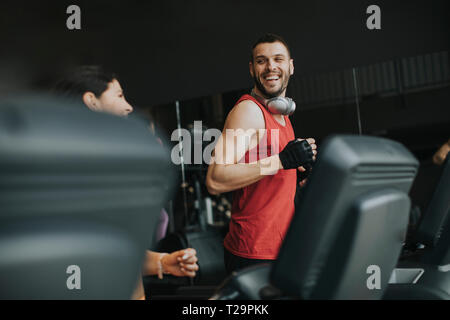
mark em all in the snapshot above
pixel 113 101
pixel 271 68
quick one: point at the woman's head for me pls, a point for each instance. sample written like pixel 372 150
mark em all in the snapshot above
pixel 100 90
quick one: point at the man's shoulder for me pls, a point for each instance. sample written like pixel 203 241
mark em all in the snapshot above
pixel 247 105
pixel 246 114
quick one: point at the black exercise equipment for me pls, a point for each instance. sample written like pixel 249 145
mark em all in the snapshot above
pixel 77 188
pixel 432 262
pixel 353 216
pixel 433 221
pixel 204 229
pixel 207 240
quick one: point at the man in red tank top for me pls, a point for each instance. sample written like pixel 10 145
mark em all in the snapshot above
pixel 257 157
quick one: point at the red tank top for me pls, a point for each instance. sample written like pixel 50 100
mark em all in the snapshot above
pixel 262 211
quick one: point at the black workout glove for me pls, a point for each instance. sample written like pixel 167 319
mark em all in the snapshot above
pixel 296 154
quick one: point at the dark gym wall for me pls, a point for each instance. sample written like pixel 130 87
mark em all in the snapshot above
pixel 170 50
pixel 196 50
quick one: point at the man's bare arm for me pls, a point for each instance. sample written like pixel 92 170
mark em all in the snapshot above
pixel 225 173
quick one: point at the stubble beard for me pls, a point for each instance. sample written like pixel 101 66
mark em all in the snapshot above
pixel 266 94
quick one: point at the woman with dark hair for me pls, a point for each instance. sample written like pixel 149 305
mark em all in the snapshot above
pixel 100 91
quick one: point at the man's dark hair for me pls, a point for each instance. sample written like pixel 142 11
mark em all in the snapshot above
pixel 84 79
pixel 269 38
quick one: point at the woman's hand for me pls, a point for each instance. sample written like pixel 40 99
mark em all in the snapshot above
pixel 182 263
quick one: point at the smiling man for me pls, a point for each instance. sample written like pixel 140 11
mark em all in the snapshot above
pixel 263 179
pixel 271 67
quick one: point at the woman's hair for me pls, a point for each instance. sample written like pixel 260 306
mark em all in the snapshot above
pixel 84 79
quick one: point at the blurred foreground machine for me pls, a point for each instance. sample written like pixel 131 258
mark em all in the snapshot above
pixel 80 197
pixel 348 230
